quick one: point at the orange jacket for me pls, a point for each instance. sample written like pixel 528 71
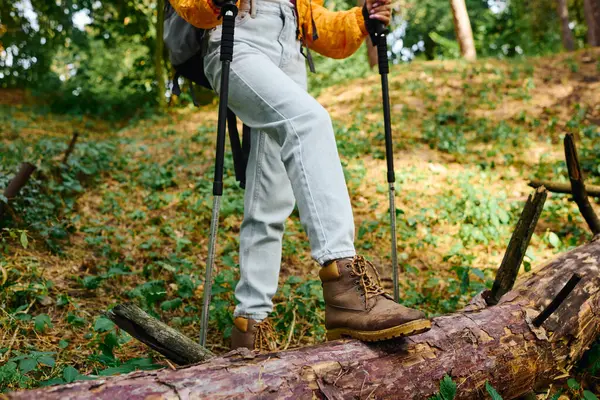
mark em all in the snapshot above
pixel 338 33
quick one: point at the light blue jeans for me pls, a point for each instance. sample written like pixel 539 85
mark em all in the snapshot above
pixel 293 156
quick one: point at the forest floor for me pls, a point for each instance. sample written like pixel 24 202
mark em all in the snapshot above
pixel 127 218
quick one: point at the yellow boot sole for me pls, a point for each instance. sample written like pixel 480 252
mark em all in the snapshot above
pixel 408 329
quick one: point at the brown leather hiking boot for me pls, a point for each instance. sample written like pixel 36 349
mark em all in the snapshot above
pixel 252 335
pixel 357 306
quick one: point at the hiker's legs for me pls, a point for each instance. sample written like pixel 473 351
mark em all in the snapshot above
pixel 268 202
pixel 267 99
pixel 266 91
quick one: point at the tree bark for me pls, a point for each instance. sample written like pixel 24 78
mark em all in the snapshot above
pixel 567 35
pixel 462 26
pixel 592 19
pixel 158 55
pixel 498 344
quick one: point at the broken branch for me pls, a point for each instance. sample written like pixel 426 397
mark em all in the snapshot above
pixel 577 185
pixel 16 184
pixel 157 335
pixel 509 269
pixel 71 147
pixel 565 188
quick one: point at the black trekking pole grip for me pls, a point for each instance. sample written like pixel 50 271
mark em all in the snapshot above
pixel 382 55
pixel 228 12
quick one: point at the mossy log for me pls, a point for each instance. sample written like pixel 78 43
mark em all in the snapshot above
pixel 498 344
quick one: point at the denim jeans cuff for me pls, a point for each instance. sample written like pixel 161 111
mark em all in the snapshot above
pixel 255 316
pixel 327 257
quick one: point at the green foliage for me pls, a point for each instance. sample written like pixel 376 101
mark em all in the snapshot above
pixel 446 131
pixel 41 322
pixel 447 389
pixel 528 28
pixel 50 193
pixel 478 212
pixel 302 301
pixel 492 392
pixel 102 69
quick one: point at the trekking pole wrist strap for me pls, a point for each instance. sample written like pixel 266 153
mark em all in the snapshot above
pixel 369 24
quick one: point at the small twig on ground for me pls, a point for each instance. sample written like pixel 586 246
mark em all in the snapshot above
pixel 291 331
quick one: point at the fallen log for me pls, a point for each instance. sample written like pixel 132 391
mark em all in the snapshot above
pixel 498 344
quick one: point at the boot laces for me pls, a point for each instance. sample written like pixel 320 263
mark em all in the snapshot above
pixel 264 336
pixel 371 284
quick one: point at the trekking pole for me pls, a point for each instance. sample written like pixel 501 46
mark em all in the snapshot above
pixel 228 13
pixel 384 68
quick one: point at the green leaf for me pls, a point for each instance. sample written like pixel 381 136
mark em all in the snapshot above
pixel 573 384
pixel 91 282
pixel 27 364
pixel 70 374
pixel 24 241
pixel 553 239
pixel 103 324
pixel 62 300
pixel 52 382
pixel 556 395
pixel 171 304
pixel 123 369
pixel 492 392
pixel 587 395
pixel 47 360
pixel 41 322
pixel 447 388
pixel 63 344
pixel 75 320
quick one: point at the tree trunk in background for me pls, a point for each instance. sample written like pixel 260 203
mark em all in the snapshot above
pixel 371 50
pixel 462 26
pixel 592 18
pixel 158 55
pixel 567 35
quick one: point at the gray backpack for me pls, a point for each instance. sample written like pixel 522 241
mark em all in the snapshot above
pixel 184 43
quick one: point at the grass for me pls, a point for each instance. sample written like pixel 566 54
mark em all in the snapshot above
pixel 127 219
